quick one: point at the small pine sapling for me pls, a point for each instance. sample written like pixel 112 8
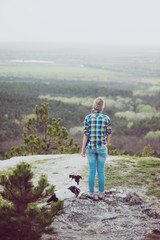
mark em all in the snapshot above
pixel 20 216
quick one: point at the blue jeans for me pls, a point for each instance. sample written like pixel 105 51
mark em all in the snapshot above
pixel 96 159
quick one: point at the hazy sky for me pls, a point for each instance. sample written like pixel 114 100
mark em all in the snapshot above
pixel 81 21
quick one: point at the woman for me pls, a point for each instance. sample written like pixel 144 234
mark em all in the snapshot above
pixel 97 134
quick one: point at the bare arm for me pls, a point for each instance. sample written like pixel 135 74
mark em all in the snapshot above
pixel 108 138
pixel 84 144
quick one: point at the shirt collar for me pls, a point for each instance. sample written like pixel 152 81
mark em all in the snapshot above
pixel 97 112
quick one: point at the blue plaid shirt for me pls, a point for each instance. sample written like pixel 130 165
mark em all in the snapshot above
pixel 97 126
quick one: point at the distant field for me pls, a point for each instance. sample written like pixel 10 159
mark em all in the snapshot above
pixel 140 86
pixel 135 69
pixel 21 69
pixel 60 72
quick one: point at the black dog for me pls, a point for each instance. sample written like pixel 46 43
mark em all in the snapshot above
pixel 71 192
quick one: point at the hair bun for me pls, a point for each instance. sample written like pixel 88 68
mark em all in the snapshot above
pixel 98 104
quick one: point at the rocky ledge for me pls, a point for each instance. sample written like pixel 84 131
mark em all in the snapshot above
pixel 119 216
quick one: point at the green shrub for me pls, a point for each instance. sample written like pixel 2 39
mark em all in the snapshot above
pixel 147 151
pixel 20 216
pixel 144 108
pixel 153 134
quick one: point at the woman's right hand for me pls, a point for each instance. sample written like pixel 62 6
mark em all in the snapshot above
pixel 83 153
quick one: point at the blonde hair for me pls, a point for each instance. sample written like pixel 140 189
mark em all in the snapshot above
pixel 98 104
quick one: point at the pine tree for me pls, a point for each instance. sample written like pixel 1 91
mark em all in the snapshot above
pixel 53 138
pixel 147 151
pixel 20 216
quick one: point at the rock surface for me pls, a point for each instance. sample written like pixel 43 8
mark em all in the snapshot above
pixel 119 216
